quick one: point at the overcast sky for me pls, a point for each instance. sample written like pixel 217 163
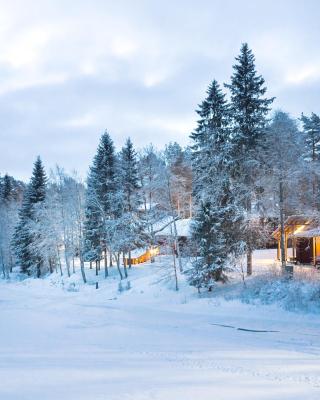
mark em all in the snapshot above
pixel 71 69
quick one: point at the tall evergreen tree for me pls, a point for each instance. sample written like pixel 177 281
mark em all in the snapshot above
pixel 100 199
pixel 249 108
pixel 129 182
pixel 7 189
pixel 217 214
pixel 311 154
pixel 210 137
pixel 25 236
pixel 129 176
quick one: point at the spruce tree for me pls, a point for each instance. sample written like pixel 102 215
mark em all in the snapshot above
pixel 249 108
pixel 100 199
pixel 25 237
pixel 129 176
pixel 211 137
pixel 217 216
pixel 129 183
pixel 311 153
pixel 207 232
pixel 7 189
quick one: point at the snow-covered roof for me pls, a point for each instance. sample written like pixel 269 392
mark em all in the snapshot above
pixel 183 227
pixel 296 226
pixel 147 206
pixel 308 233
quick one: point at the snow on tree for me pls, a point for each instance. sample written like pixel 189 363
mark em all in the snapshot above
pixel 212 131
pixel 311 154
pixel 9 205
pixel 249 109
pixel 131 199
pixel 150 169
pixel 283 163
pixel 27 230
pixel 217 219
pixel 101 189
pixel 179 164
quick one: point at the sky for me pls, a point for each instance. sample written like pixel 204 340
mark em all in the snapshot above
pixel 69 70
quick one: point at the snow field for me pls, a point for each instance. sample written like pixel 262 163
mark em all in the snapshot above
pixel 63 340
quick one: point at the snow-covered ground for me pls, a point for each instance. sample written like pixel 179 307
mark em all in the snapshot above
pixel 150 342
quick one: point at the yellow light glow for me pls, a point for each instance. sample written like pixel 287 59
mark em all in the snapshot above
pixel 299 229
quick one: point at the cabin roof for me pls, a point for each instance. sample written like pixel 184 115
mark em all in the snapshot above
pixel 298 226
pixel 183 227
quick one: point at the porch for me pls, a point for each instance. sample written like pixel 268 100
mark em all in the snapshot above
pixel 301 240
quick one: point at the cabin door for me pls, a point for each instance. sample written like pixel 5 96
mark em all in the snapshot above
pixel 304 250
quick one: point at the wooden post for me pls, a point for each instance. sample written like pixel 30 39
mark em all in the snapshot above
pixel 278 250
pixel 314 243
pixel 286 246
pixel 282 227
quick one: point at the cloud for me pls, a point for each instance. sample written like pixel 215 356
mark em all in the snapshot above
pixel 138 69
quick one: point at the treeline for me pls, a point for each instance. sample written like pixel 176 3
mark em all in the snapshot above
pixel 101 221
pixel 245 169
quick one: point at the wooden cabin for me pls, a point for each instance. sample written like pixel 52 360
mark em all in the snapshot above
pixel 164 236
pixel 144 257
pixel 302 240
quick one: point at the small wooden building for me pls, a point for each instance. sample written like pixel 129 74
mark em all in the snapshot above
pixel 302 240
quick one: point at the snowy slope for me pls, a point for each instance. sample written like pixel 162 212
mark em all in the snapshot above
pixel 150 343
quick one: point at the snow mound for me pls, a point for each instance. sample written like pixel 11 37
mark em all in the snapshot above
pixel 298 294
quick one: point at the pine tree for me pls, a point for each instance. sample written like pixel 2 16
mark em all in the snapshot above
pixel 311 135
pixel 129 182
pixel 25 236
pixel 100 200
pixel 8 215
pixel 206 231
pixel 7 189
pixel 311 153
pixel 249 108
pixel 129 176
pixel 217 216
pixel 211 137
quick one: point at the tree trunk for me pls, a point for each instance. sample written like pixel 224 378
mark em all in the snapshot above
pixel 125 268
pixel 59 261
pixel 106 272
pixel 67 262
pixel 129 258
pixel 82 270
pixel 174 261
pixel 11 263
pixel 73 267
pixel 249 261
pixel 97 271
pixel 38 269
pixel 176 240
pixel 118 266
pixel 50 266
pixel 282 231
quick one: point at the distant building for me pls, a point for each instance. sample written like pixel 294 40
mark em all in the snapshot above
pixel 302 235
